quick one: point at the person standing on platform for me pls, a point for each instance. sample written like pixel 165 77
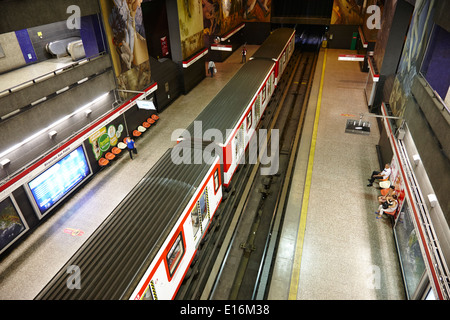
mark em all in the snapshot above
pixel 131 145
pixel 383 175
pixel 244 55
pixel 212 68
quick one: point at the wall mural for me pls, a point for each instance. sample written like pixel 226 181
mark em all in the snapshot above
pixel 190 16
pixel 348 12
pixel 257 10
pixel 126 37
pixel 220 16
pixel 415 45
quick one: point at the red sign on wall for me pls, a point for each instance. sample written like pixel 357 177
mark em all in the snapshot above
pixel 164 46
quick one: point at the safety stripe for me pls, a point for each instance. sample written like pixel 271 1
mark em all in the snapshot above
pixel 295 276
pixel 152 285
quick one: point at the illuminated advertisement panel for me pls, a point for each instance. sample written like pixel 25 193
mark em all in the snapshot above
pixel 55 183
pixel 12 223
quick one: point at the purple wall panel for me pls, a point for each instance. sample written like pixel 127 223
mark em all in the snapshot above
pixel 27 47
pixel 437 61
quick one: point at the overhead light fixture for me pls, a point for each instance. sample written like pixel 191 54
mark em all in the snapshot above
pixel 87 112
pixel 52 134
pixel 40 132
pixel 4 163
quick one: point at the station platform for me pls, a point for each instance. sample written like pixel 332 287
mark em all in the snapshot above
pixel 332 245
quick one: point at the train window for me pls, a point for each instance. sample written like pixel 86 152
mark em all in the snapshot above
pixel 249 120
pixel 264 94
pixel 216 180
pixel 175 254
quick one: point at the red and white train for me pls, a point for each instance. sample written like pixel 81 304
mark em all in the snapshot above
pixel 145 247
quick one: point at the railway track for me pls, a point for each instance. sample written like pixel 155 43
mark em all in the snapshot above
pixel 235 257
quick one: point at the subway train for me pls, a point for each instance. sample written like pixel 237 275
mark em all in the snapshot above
pixel 143 250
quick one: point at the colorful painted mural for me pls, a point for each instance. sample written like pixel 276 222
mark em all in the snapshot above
pixel 348 12
pixel 126 37
pixel 414 48
pixel 257 10
pixel 190 15
pixel 220 16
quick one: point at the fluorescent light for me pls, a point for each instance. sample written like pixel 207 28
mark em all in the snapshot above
pixel 62 90
pixel 40 132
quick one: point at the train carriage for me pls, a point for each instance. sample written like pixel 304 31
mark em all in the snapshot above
pixel 144 248
pixel 230 119
pixel 279 47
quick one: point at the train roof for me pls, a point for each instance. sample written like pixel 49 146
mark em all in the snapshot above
pixel 273 46
pixel 114 259
pixel 225 109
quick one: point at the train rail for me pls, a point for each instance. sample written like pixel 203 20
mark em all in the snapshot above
pixel 236 256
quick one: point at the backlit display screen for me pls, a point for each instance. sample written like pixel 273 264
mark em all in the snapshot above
pixel 60 179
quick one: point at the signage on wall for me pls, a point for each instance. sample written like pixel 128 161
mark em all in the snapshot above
pixel 164 46
pixel 54 184
pixel 105 138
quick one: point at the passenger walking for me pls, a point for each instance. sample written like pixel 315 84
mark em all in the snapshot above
pixel 244 55
pixel 382 175
pixel 212 68
pixel 131 145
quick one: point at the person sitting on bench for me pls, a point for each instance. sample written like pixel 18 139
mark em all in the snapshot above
pixel 389 207
pixel 383 175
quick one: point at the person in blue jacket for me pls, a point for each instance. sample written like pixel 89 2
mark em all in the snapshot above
pixel 131 145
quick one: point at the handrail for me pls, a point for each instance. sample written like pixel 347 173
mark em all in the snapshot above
pixel 439 264
pixel 55 72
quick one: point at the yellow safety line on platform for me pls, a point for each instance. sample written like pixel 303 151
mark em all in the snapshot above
pixel 295 276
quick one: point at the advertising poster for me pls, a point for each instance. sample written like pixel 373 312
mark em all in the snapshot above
pixel 105 138
pixel 54 184
pixel 410 253
pixel 11 223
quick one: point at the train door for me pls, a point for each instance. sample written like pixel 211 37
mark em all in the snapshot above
pixel 239 143
pixel 200 216
pixel 271 87
pixel 257 108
